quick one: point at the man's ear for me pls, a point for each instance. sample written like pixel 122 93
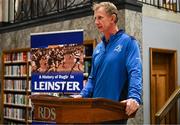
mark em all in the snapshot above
pixel 113 18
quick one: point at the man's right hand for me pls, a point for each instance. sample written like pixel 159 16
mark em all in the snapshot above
pixel 131 106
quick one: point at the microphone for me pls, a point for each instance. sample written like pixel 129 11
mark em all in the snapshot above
pixel 62 94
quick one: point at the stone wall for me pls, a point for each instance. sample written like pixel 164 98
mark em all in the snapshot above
pixel 1 10
pixel 131 21
pixel 133 26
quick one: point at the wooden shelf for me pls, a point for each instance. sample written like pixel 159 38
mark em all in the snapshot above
pixel 15 119
pixel 19 65
pixel 15 77
pixel 16 105
pixel 15 63
pixel 14 91
pixel 88 57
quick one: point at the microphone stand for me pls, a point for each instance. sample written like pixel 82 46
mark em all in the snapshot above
pixel 62 94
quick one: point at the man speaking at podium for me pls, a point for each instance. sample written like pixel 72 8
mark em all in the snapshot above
pixel 116 71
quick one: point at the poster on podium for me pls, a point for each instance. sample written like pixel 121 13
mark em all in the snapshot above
pixel 57 62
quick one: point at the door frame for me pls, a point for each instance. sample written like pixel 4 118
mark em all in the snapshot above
pixel 173 69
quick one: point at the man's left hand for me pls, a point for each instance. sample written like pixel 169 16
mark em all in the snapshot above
pixel 131 106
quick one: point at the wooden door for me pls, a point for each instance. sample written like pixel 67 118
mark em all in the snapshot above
pixel 163 78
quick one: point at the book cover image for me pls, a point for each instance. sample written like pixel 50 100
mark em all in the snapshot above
pixel 57 61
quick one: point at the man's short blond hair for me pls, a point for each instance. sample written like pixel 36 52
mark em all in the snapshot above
pixel 110 8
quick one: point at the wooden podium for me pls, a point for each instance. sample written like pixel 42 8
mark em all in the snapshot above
pixel 50 109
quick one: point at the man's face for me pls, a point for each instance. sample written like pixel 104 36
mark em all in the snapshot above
pixel 103 20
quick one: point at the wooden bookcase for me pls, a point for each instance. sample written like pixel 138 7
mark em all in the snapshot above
pixel 16 76
pixel 89 47
pixel 16 106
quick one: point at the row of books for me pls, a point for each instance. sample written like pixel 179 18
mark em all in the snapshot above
pixel 87 66
pixel 18 99
pixel 15 113
pixel 17 85
pixel 16 57
pixel 88 50
pixel 29 56
pixel 30 69
pixel 13 70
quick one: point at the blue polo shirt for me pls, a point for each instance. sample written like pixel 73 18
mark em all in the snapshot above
pixel 116 71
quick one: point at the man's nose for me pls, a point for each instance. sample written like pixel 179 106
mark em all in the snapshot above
pixel 96 22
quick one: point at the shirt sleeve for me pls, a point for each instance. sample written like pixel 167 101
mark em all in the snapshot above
pixel 134 69
pixel 88 89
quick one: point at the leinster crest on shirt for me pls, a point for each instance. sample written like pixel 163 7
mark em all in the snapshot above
pixel 118 48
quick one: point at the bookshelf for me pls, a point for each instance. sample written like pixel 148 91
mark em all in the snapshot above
pixel 16 106
pixel 88 51
pixel 16 87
